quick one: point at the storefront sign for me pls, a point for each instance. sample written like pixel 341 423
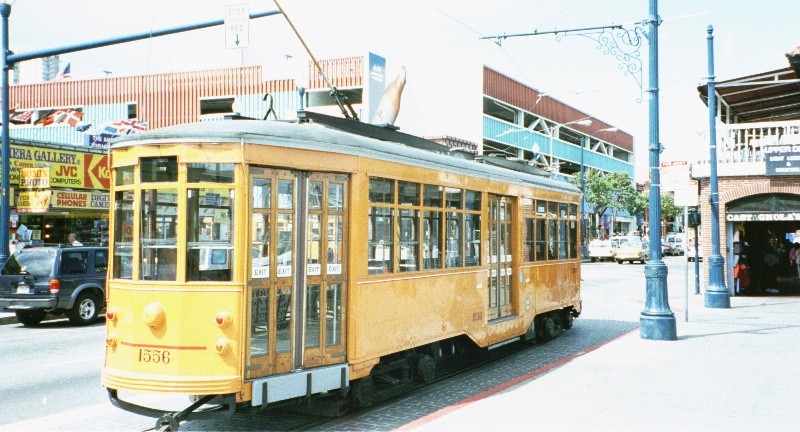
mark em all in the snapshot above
pixel 782 160
pixel 763 217
pixel 34 178
pixel 33 201
pixel 80 200
pixel 68 169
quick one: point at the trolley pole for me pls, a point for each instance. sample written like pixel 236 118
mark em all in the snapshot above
pixel 717 295
pixel 657 322
pixel 7 61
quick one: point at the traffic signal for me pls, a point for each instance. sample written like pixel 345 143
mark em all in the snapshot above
pixel 694 218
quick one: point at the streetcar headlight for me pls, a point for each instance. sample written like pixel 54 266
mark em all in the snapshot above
pixel 222 346
pixel 153 314
pixel 223 319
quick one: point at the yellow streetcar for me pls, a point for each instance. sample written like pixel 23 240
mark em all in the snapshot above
pixel 256 262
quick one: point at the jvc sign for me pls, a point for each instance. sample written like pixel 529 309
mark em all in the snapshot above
pixel 782 159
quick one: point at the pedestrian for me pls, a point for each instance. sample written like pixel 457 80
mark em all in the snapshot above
pixel 72 239
pixel 741 275
pixel 793 258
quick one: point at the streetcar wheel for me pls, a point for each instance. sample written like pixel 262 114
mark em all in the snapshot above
pixel 362 392
pixel 619 261
pixel 85 310
pixel 593 259
pixel 30 318
pixel 426 369
pixel 567 319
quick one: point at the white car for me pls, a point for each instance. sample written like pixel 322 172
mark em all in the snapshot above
pixel 600 250
pixel 690 252
pixel 635 249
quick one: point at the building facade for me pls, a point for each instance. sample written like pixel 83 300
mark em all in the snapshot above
pixel 758 165
pixel 488 113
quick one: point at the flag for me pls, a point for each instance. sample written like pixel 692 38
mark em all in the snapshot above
pixel 65 74
pixel 55 117
pixel 127 127
pixel 43 118
pixel 21 117
pixel 124 127
pixel 72 117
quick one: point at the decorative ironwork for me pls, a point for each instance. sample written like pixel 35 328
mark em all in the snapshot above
pixel 624 45
pixel 614 40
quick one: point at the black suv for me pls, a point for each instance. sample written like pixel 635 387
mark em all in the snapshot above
pixel 67 280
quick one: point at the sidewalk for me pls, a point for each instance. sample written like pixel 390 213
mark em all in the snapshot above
pixel 730 370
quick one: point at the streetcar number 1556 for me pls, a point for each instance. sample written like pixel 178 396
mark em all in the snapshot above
pixel 153 356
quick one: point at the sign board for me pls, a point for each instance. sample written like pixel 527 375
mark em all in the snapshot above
pixel 33 201
pixel 687 196
pixel 782 159
pixel 34 178
pixel 237 26
pixel 674 175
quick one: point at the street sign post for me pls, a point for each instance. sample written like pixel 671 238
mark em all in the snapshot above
pixel 237 26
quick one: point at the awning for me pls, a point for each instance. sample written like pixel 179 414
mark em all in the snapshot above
pixel 763 97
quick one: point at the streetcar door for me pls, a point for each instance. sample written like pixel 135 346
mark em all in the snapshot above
pixel 272 232
pixel 297 305
pixel 326 270
pixel 500 271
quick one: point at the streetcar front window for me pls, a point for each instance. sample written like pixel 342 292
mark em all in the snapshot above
pixel 209 234
pixel 159 169
pixel 158 227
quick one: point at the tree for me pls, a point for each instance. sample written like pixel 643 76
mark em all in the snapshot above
pixel 668 208
pixel 611 191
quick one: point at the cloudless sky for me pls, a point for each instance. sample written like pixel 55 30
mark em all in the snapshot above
pixel 749 37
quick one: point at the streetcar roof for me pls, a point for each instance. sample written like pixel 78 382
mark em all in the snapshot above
pixel 314 136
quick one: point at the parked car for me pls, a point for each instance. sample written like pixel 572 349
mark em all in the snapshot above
pixel 616 241
pixel 68 280
pixel 634 249
pixel 600 250
pixel 675 243
pixel 690 252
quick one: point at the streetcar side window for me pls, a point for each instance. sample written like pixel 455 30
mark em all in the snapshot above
pixel 529 246
pixel 430 238
pixel 123 234
pixel 574 241
pixel 381 234
pixel 472 241
pixel 210 172
pixel 124 176
pixel 209 253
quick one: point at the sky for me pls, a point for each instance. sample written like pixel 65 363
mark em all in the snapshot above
pixel 749 37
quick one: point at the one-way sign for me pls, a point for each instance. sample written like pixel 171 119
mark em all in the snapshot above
pixel 237 26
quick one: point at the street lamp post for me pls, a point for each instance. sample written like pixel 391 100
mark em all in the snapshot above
pixel 657 322
pixel 717 295
pixel 584 141
pixel 5 154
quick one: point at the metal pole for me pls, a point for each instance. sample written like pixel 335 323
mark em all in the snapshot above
pixel 657 322
pixel 584 249
pixel 696 262
pixel 717 295
pixel 686 261
pixel 5 211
